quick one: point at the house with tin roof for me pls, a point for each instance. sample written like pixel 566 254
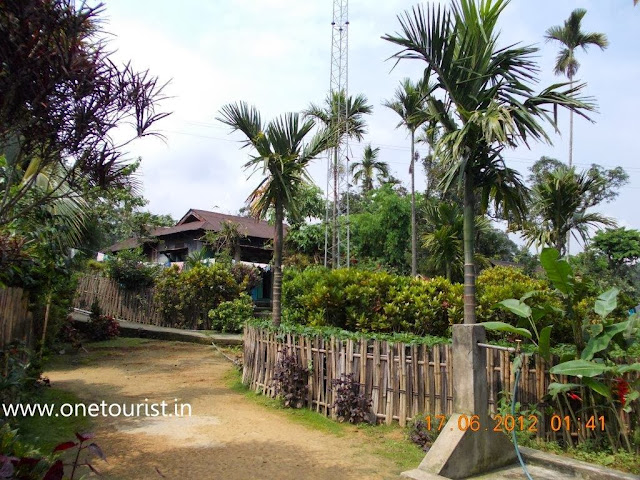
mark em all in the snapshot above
pixel 168 245
pixel 174 244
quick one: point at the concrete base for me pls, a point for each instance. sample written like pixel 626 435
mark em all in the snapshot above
pixel 460 453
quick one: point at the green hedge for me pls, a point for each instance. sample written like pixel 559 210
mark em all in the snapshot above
pixel 380 302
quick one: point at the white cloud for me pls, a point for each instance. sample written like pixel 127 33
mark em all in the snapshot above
pixel 275 54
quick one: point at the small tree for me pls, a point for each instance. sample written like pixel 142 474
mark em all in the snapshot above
pixel 63 97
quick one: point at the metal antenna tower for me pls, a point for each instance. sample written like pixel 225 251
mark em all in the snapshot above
pixel 336 244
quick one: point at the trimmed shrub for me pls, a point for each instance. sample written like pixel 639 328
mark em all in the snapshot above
pixel 368 301
pixel 380 302
pixel 230 316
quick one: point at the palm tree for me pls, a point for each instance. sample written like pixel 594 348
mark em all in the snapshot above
pixel 560 202
pixel 443 239
pixel 571 37
pixel 365 170
pixel 409 104
pixel 344 116
pixel 487 90
pixel 283 158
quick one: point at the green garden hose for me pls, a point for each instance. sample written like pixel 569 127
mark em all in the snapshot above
pixel 513 413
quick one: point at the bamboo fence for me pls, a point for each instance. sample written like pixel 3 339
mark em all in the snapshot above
pixel 134 306
pixel 403 381
pixel 16 322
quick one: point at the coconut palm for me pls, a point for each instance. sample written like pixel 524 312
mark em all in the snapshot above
pixel 572 37
pixel 282 156
pixel 409 104
pixel 561 200
pixel 488 91
pixel 344 116
pixel 369 168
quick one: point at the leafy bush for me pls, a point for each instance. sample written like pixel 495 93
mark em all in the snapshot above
pixel 104 327
pixel 230 316
pixel 185 298
pixel 291 380
pixel 129 270
pixel 351 405
pixel 497 283
pixel 101 327
pixel 70 334
pixel 246 275
pixel 20 375
pixel 424 433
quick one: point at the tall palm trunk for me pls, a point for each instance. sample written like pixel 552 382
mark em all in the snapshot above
pixel 334 221
pixel 468 239
pixel 414 237
pixel 570 162
pixel 277 265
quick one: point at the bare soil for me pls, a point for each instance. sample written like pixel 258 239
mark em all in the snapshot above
pixel 228 436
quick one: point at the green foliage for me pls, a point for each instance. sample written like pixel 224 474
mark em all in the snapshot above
pixel 129 270
pixel 382 231
pixel 621 247
pixel 247 276
pixel 230 316
pixel 381 302
pixel 102 327
pixel 562 203
pixel 366 301
pixel 12 445
pixel 499 283
pixel 20 376
pixel 185 298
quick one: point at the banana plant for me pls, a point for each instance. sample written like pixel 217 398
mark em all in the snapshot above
pixel 607 389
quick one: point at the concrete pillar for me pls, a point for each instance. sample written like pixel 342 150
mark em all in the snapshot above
pixel 460 452
pixel 470 392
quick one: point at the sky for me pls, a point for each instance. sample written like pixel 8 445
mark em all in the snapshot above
pixel 275 54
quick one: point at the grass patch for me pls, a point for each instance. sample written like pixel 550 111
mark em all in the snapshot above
pixel 387 441
pixel 47 432
pixel 623 461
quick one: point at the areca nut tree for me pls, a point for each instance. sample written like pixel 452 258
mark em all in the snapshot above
pixel 409 104
pixel 560 207
pixel 443 239
pixel 487 90
pixel 280 153
pixel 344 116
pixel 369 169
pixel 570 36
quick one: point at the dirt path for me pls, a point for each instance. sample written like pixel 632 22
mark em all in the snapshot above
pixel 228 437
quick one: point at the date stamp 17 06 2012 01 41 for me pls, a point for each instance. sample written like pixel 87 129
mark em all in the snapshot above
pixel 509 423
